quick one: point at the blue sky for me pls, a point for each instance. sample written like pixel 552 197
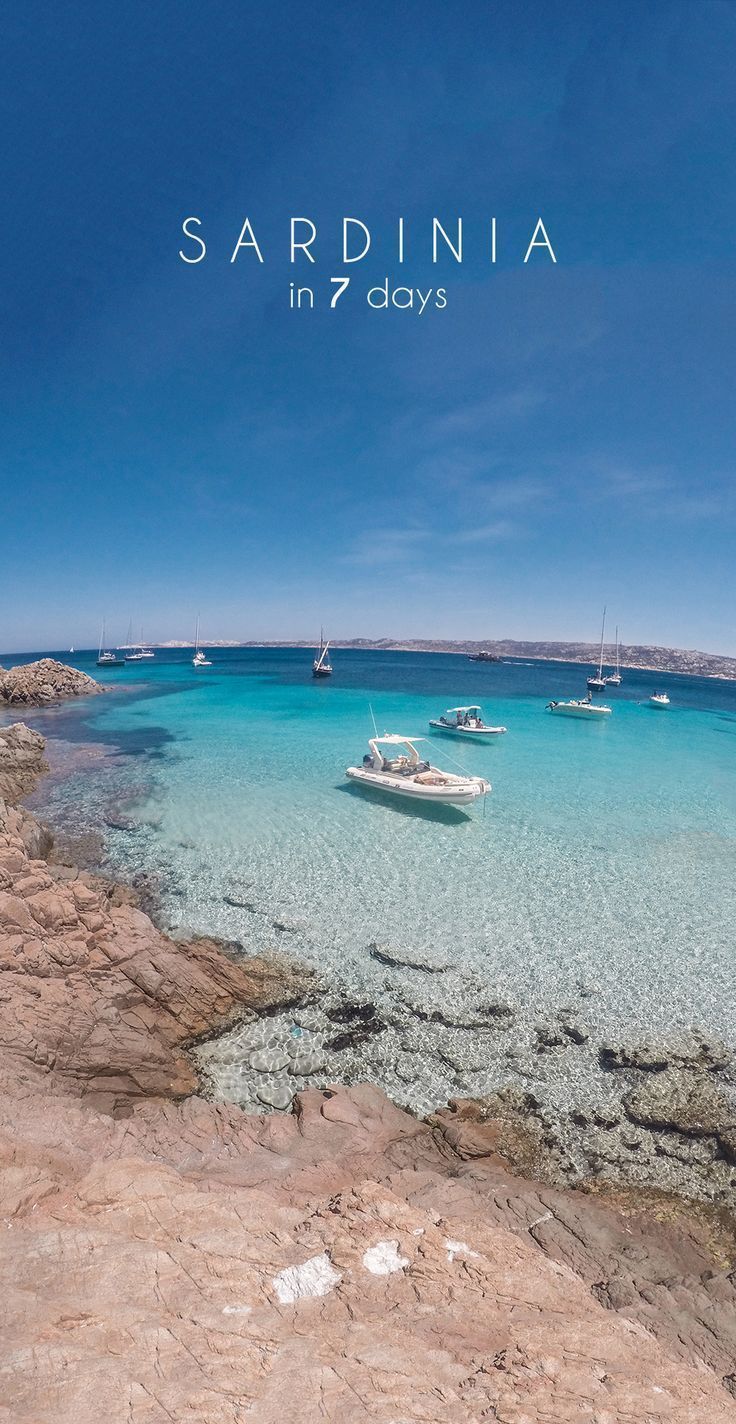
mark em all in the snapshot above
pixel 174 438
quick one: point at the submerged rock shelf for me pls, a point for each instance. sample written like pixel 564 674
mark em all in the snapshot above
pixel 659 1115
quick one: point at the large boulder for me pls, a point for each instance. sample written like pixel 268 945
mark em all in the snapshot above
pixel 37 684
pixel 21 761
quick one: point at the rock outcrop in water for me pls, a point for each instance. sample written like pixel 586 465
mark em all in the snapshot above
pixel 43 682
pixel 165 1258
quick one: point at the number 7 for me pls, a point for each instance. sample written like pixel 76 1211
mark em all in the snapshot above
pixel 342 283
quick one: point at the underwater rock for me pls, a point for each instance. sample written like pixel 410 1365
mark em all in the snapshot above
pixel 452 1010
pixel 284 926
pixel 238 904
pixel 550 1035
pixel 117 821
pixel 686 1101
pixel 573 1026
pixel 430 961
pixel 269 1060
pixel 362 1021
pixel 304 1064
pixel 692 1050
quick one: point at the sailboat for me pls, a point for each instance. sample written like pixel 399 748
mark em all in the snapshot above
pixel 136 652
pixel 105 658
pixel 200 658
pixel 615 679
pixel 322 667
pixel 597 683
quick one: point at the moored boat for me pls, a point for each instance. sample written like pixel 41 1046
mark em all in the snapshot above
pixel 106 658
pixel 598 682
pixel 393 764
pixel 615 679
pixel 200 658
pixel 322 667
pixel 483 656
pixel 579 707
pixel 465 722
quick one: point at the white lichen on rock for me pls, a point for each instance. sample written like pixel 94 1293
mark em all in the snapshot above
pixel 383 1259
pixel 314 1277
pixel 460 1248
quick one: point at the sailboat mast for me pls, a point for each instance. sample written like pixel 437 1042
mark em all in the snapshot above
pixel 196 636
pixel 603 630
pixel 617 655
pixel 102 639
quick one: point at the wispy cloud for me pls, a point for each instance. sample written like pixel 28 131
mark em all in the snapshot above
pixel 378 546
pixel 492 533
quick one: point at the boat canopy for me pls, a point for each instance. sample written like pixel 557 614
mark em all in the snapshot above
pixel 461 709
pixel 391 739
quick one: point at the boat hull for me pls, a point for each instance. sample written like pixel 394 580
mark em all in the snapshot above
pixel 656 702
pixel 457 794
pixel 584 710
pixel 468 731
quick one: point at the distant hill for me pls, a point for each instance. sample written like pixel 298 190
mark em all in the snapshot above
pixel 685 660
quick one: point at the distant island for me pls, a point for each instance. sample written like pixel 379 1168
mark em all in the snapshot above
pixel 652 659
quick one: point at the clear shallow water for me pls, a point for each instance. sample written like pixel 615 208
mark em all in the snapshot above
pixel 605 853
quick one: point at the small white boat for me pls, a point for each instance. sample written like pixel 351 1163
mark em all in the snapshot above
pixel 465 722
pixel 200 658
pixel 394 764
pixel 659 699
pixel 136 655
pixel 579 707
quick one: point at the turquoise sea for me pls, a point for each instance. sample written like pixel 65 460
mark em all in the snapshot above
pixel 605 854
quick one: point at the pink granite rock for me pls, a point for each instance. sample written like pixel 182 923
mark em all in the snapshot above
pixel 169 1259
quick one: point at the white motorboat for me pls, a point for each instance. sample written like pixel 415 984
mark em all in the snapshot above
pixel 393 764
pixel 200 658
pixel 136 655
pixel 579 707
pixel 659 699
pixel 465 722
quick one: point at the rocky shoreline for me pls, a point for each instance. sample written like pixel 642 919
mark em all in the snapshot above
pixel 651 1115
pixel 43 683
pixel 344 1259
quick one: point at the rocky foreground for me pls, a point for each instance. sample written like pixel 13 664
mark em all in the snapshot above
pixel 166 1258
pixel 44 682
